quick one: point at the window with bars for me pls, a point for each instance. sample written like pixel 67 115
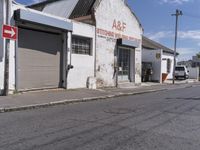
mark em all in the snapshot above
pixel 81 45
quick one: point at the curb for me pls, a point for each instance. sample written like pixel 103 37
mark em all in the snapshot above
pixel 72 101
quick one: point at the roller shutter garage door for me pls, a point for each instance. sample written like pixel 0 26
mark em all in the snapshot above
pixel 39 60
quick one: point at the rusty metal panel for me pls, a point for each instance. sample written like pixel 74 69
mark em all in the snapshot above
pixel 83 8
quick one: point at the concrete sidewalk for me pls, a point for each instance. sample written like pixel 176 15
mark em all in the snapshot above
pixel 40 99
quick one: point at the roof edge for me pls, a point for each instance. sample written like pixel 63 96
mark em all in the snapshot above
pixel 41 3
pixel 165 49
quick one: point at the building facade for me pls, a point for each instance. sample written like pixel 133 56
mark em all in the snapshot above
pixel 73 48
pixel 37 59
pixel 160 57
pixel 111 26
pixel 115 61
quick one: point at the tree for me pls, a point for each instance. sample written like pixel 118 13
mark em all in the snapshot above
pixel 198 54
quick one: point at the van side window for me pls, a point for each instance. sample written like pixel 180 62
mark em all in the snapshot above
pixel 169 62
pixel 179 69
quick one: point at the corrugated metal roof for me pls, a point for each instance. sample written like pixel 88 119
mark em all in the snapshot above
pixel 66 8
pixel 62 8
pixel 83 8
pixel 77 8
pixel 150 44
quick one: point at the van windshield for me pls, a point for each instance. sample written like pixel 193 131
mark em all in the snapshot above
pixel 179 69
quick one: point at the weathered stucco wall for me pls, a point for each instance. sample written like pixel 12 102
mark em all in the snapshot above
pixel 11 49
pixel 166 56
pixel 12 54
pixel 83 64
pixel 193 73
pixel 1 23
pixel 115 20
pixel 2 16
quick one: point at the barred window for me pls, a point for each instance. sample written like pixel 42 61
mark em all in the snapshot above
pixel 81 45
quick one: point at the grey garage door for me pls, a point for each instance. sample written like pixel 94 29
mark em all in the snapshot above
pixel 39 59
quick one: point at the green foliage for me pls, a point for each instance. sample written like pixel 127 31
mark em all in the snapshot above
pixel 198 54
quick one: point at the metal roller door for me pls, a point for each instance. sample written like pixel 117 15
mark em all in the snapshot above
pixel 39 60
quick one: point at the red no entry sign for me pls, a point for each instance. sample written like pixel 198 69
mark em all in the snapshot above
pixel 9 32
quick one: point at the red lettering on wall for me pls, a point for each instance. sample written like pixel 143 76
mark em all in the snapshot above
pixel 118 25
pixel 114 35
pixel 114 25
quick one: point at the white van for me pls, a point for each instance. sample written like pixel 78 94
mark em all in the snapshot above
pixel 181 72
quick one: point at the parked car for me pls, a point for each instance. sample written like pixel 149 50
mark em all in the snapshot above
pixel 181 72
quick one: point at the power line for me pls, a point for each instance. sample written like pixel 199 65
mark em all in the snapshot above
pixel 195 16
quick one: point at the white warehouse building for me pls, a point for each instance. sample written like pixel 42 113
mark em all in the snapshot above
pixel 118 36
pixel 161 58
pixel 72 44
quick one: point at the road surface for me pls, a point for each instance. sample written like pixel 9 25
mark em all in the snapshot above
pixel 168 120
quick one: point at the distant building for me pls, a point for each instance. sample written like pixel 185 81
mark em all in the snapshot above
pixel 196 61
pixel 160 57
pixel 188 63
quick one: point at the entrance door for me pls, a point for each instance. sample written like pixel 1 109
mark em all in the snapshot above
pixel 39 60
pixel 124 65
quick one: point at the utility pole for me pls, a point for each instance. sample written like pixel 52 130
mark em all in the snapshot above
pixel 7 51
pixel 178 13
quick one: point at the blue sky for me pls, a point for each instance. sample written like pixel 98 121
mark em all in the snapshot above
pixel 159 25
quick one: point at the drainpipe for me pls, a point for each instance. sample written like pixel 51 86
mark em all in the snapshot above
pixel 95 44
pixel 116 65
pixel 70 64
pixel 95 53
pixel 69 50
pixel 7 51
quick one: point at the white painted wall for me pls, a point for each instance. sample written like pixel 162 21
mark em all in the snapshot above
pixel 11 50
pixel 106 12
pixel 150 56
pixel 193 73
pixel 166 56
pixel 2 21
pixel 1 24
pixel 12 71
pixel 83 64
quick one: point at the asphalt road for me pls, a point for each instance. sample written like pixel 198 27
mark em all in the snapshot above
pixel 168 120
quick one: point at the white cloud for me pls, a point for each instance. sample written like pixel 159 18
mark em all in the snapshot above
pixel 190 34
pixel 175 1
pixel 186 53
pixel 160 35
pixel 37 1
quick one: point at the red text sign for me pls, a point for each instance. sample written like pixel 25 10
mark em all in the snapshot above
pixel 9 32
pixel 118 25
